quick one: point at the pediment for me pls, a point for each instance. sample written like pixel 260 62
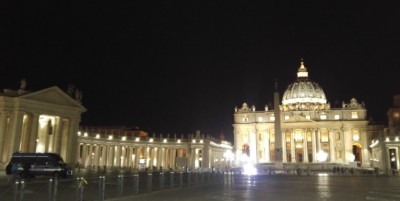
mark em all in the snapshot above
pixel 297 118
pixel 52 95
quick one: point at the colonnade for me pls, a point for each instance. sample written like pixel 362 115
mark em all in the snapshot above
pixel 33 132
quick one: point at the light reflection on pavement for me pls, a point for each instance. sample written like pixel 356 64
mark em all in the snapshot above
pixel 287 188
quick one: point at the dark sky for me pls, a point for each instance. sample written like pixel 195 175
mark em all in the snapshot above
pixel 179 66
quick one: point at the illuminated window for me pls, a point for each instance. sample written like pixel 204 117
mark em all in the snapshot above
pixel 354 115
pixel 356 135
pixel 337 116
pixel 323 116
pixel 309 138
pixel 298 136
pixel 272 136
pixel 272 118
pixel 288 136
pixel 286 117
pixel 260 119
pixel 324 136
pixel 308 117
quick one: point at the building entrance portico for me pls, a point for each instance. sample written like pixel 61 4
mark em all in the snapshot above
pixel 41 121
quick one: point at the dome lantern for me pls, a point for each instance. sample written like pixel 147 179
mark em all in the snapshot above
pixel 304 94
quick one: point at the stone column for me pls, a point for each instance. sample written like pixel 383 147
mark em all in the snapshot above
pixel 96 155
pixel 331 146
pixel 104 150
pixel 267 151
pixel 292 147
pixel 117 156
pixel 173 156
pixel 130 152
pixel 33 133
pixel 3 126
pixel 137 157
pixel 192 159
pixel 84 154
pixel 253 146
pixel 305 148
pixel 58 135
pixel 72 141
pixel 314 138
pixel 16 131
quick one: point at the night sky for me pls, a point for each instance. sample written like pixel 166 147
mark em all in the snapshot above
pixel 179 66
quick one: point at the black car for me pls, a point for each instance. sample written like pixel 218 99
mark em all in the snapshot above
pixel 37 164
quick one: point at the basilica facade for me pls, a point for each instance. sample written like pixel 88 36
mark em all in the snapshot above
pixel 303 128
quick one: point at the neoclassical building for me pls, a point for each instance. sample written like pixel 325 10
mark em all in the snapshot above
pixel 48 120
pixel 42 121
pixel 303 128
pixel 385 145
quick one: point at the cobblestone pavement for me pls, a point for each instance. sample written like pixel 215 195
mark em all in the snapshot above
pixel 287 188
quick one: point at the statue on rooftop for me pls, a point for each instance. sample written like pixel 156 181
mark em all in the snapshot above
pixel 23 84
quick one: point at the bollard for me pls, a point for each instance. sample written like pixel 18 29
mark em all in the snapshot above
pixel 171 180
pixel 16 185
pixel 149 181
pixel 77 188
pixel 102 186
pixel 120 185
pixel 50 189
pixel 180 179
pixel 136 183
pixel 189 178
pixel 55 188
pixel 161 180
pixel 22 189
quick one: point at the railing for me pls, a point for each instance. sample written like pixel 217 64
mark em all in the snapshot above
pixel 111 186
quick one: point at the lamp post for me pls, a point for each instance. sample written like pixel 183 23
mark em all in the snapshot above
pixel 228 155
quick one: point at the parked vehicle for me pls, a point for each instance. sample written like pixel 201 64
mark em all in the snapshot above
pixel 37 164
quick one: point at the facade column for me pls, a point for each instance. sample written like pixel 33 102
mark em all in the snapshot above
pixel 145 156
pixel 173 156
pixel 3 129
pixel 110 156
pixel 84 154
pixel 331 146
pixel 103 160
pixel 58 135
pixel 72 141
pixel 15 131
pixel 117 156
pixel 90 156
pixel 314 139
pixel 96 155
pixel 192 164
pixel 266 144
pixel 163 158
pixel 365 153
pixel 348 145
pixel 292 147
pixel 130 152
pixel 33 134
pixel 305 147
pixel 137 157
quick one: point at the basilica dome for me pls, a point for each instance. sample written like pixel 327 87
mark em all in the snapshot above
pixel 304 94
